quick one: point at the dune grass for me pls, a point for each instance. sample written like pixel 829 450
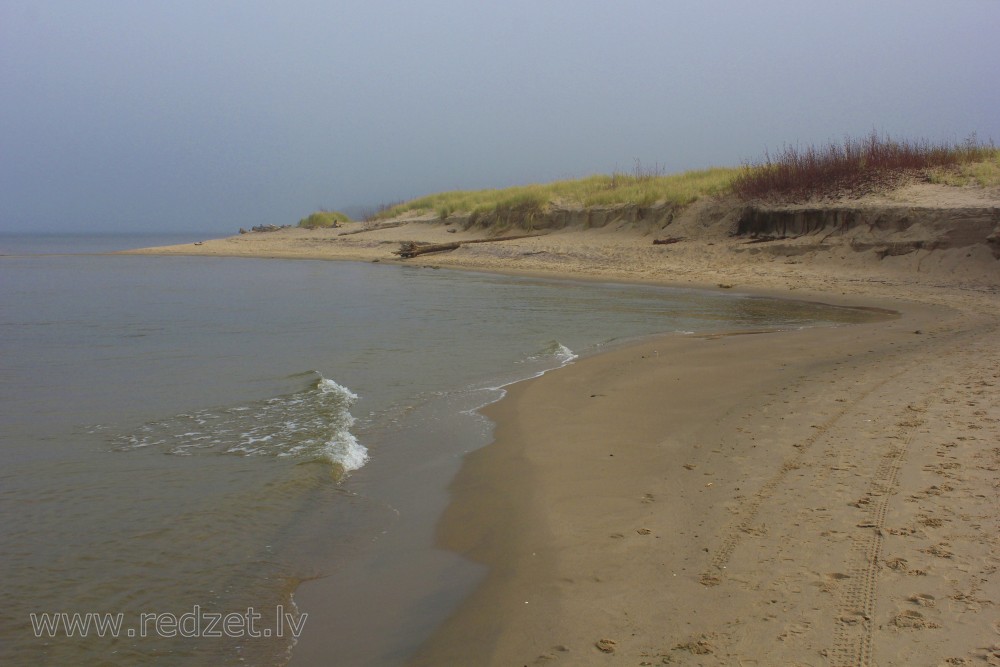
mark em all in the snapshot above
pixel 321 219
pixel 640 187
pixel 859 166
pixel 983 173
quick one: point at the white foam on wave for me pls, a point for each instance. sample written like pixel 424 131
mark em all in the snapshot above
pixel 563 354
pixel 343 448
pixel 328 386
pixel 554 349
pixel 311 424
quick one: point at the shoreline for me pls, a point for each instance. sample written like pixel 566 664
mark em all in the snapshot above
pixel 834 489
pixel 619 501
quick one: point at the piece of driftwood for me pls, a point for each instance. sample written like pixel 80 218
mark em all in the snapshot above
pixel 409 249
pixel 374 228
pixel 766 239
pixel 667 241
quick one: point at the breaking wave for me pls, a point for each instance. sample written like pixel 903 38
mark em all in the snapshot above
pixel 560 352
pixel 310 425
pixel 531 367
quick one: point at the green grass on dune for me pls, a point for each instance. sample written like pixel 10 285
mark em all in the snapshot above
pixel 984 173
pixel 637 188
pixel 321 219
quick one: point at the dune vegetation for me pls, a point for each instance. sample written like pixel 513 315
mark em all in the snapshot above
pixel 860 166
pixel 852 168
pixel 321 219
pixel 985 173
pixel 642 187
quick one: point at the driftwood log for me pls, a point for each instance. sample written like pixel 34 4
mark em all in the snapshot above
pixel 409 249
pixel 374 228
pixel 766 239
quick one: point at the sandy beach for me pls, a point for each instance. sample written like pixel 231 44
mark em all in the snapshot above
pixel 817 497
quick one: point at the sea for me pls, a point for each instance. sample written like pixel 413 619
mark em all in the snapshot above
pixel 186 442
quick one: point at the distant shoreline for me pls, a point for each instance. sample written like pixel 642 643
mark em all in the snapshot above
pixel 920 234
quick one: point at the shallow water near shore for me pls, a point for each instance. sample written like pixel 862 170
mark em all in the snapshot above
pixel 182 435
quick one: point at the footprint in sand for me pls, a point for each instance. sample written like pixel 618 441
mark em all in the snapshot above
pixel 710 580
pixel 795 628
pixel 922 600
pixel 606 645
pixel 940 550
pixel 551 654
pixel 697 647
pixel 930 522
pixel 831 581
pixel 910 619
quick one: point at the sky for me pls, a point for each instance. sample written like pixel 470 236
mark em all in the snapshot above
pixel 195 115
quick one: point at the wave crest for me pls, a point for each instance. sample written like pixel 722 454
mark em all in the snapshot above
pixel 556 349
pixel 311 424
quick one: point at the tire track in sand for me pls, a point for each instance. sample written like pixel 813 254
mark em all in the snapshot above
pixel 743 522
pixel 854 630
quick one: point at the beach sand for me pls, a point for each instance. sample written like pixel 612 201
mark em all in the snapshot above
pixel 826 496
pixel 810 497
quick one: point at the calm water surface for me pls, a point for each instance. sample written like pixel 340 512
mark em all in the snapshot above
pixel 195 436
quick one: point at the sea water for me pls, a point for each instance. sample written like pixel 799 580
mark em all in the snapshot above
pixel 186 440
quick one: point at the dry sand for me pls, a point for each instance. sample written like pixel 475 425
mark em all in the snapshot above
pixel 816 497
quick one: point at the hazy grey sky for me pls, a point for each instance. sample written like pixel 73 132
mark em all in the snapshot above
pixel 211 115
